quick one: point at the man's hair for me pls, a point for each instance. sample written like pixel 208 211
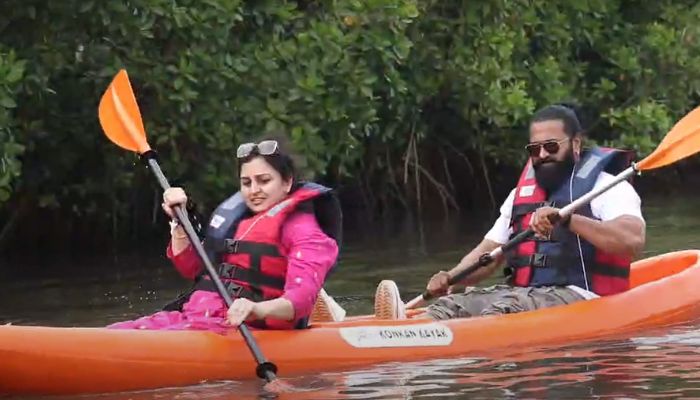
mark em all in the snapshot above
pixel 567 115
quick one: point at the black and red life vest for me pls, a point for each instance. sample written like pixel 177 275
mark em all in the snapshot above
pixel 565 258
pixel 253 263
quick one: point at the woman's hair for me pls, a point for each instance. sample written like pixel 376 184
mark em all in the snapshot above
pixel 281 161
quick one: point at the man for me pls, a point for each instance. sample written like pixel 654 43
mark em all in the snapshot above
pixel 586 256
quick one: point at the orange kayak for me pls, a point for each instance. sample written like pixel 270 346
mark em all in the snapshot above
pixel 45 360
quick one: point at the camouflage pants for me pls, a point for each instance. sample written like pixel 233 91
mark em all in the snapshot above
pixel 500 299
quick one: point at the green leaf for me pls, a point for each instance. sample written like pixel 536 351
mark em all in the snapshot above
pixel 85 6
pixel 16 72
pixel 47 200
pixel 4 195
pixel 7 101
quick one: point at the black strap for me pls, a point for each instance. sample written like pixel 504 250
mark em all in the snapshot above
pixel 232 246
pixel 523 209
pixel 176 305
pixel 520 210
pixel 252 276
pixel 255 251
pixel 234 290
pixel 540 260
pixel 609 270
pixel 517 229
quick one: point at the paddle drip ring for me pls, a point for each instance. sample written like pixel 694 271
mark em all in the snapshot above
pixel 263 368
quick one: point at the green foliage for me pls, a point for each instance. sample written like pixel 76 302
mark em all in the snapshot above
pixel 11 71
pixel 379 92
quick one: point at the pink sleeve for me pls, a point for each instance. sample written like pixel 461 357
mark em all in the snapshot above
pixel 311 255
pixel 187 262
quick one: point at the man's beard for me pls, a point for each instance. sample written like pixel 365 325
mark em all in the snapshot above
pixel 550 174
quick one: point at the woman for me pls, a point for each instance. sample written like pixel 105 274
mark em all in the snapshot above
pixel 273 255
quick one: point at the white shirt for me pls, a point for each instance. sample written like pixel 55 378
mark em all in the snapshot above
pixel 619 200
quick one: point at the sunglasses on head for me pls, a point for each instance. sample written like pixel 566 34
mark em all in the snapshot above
pixel 550 146
pixel 264 148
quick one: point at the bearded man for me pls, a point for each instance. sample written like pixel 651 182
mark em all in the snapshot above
pixel 586 256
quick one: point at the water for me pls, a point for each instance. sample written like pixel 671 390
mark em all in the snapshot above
pixel 659 363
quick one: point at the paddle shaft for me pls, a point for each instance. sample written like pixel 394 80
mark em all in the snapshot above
pixel 563 213
pixel 266 369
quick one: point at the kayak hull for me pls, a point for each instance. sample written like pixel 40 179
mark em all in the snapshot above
pixel 46 360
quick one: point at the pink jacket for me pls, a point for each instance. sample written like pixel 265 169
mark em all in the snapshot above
pixel 311 255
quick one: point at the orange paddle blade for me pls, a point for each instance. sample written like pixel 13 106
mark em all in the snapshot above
pixel 120 117
pixel 681 141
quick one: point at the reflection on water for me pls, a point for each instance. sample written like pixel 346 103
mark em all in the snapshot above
pixel 653 364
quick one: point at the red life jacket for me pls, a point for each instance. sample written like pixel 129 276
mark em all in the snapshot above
pixel 557 261
pixel 256 260
pixel 253 263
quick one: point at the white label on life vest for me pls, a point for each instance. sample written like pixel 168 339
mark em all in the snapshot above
pixel 432 334
pixel 527 191
pixel 216 221
pixel 530 171
pixel 279 207
pixel 588 166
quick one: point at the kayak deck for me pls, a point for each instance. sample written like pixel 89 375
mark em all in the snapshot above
pixel 46 360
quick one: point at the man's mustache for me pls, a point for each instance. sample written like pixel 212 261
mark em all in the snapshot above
pixel 545 161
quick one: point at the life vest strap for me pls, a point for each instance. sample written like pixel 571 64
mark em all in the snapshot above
pixel 520 210
pixel 233 289
pixel 517 229
pixel 609 270
pixel 252 276
pixel 541 260
pixel 232 246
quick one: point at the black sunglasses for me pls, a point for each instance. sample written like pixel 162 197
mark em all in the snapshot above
pixel 264 148
pixel 550 146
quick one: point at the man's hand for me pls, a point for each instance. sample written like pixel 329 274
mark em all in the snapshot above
pixel 439 284
pixel 540 222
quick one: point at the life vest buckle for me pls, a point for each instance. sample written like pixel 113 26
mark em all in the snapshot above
pixel 538 238
pixel 231 272
pixel 538 260
pixel 231 246
pixel 237 291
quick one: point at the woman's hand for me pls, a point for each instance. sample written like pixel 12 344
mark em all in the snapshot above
pixel 173 197
pixel 243 309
